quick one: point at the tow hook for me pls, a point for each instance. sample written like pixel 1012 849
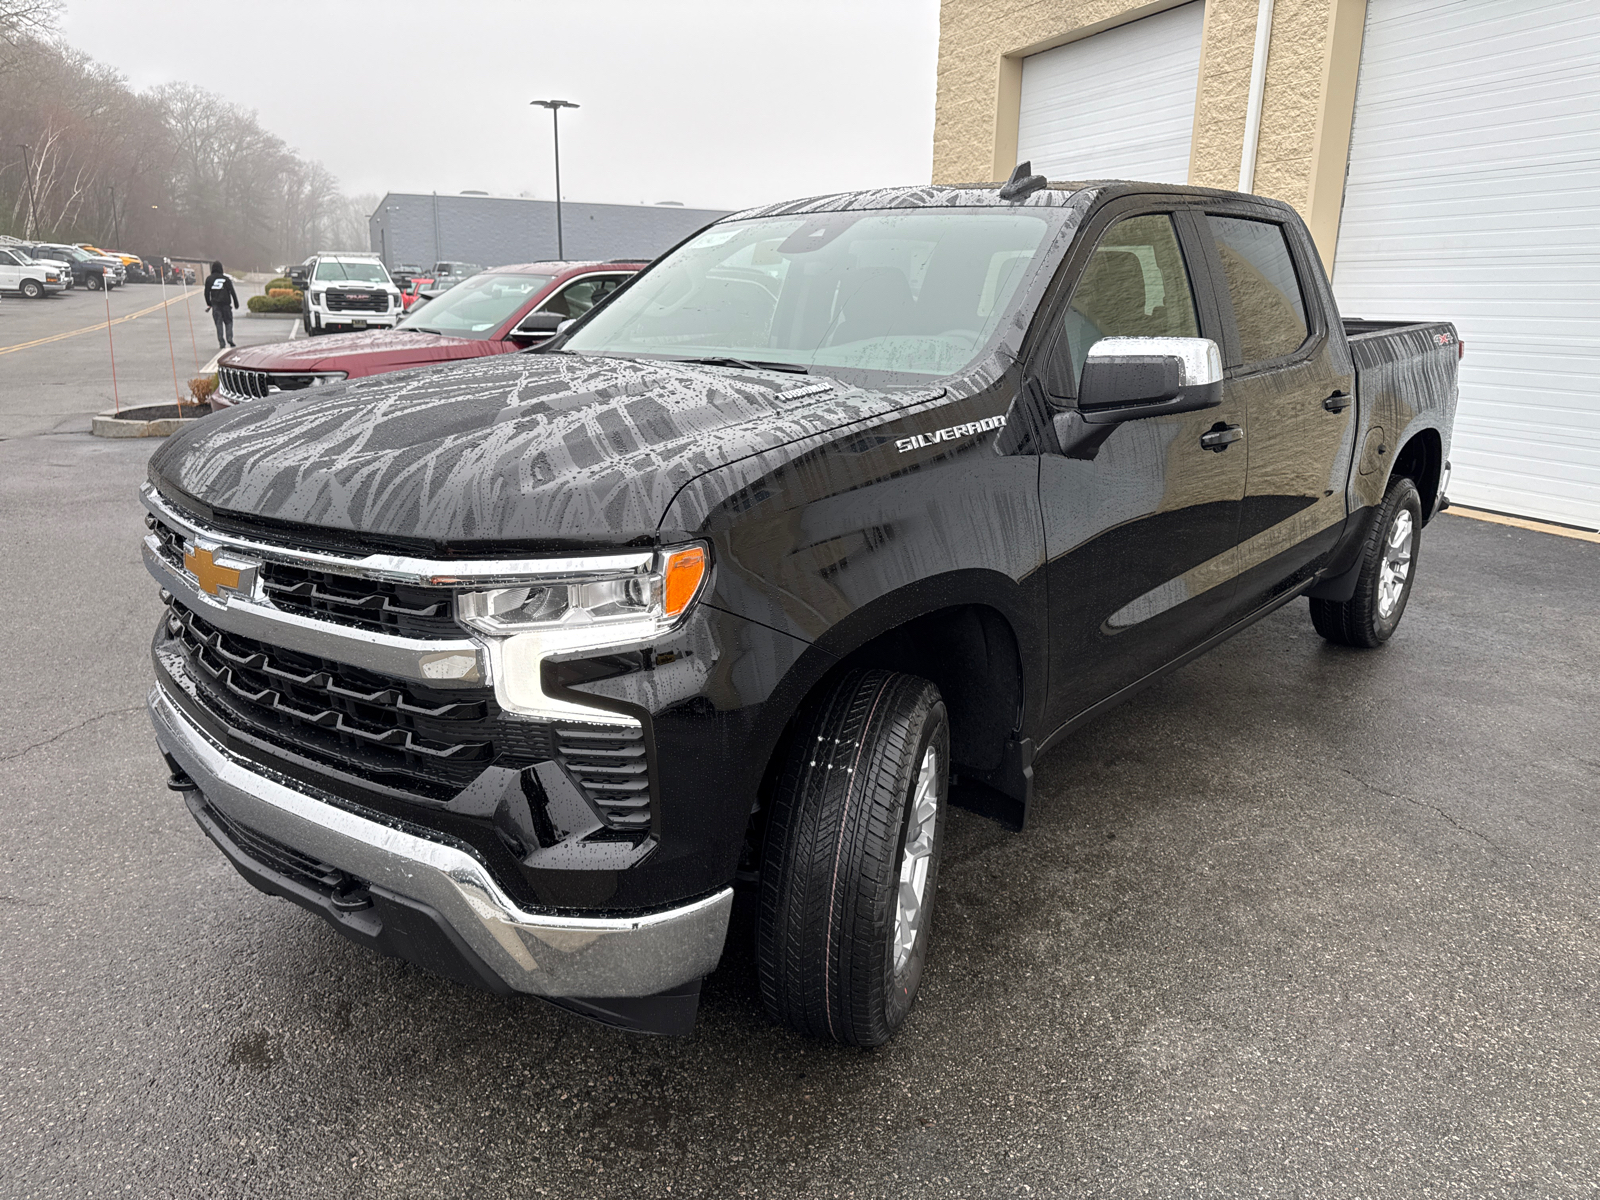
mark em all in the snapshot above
pixel 351 898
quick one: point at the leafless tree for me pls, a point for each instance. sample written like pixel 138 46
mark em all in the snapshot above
pixel 175 171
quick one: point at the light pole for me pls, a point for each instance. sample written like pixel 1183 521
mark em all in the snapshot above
pixel 33 203
pixel 555 107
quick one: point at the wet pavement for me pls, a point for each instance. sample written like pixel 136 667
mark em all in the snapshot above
pixel 1297 921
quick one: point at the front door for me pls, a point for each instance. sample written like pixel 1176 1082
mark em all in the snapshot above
pixel 1141 537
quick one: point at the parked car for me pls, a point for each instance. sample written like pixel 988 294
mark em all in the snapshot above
pixel 133 265
pixel 91 271
pixel 411 290
pixel 21 273
pixel 448 274
pixel 300 275
pixel 841 511
pixel 59 263
pixel 497 312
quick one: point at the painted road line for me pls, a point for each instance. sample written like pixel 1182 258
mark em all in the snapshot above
pixel 56 337
pixel 1566 531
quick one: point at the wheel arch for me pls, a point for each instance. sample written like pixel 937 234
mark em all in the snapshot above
pixel 1421 459
pixel 966 632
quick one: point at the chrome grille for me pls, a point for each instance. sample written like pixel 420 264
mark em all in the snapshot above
pixel 366 603
pixel 357 301
pixel 257 385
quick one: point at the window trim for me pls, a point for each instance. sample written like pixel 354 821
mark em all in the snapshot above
pixel 1233 361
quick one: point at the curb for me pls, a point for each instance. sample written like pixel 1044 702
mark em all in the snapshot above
pixel 110 424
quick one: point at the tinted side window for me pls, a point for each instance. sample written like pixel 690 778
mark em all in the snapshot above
pixel 1134 285
pixel 1267 304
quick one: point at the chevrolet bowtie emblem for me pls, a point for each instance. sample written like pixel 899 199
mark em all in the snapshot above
pixel 211 577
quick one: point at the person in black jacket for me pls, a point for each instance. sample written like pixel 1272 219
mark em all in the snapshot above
pixel 222 300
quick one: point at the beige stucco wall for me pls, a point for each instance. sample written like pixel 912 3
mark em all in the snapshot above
pixel 1306 109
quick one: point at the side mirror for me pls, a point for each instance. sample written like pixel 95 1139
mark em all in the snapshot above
pixel 539 325
pixel 566 325
pixel 1126 378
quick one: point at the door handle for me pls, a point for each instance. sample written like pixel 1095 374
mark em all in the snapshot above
pixel 1337 402
pixel 1219 437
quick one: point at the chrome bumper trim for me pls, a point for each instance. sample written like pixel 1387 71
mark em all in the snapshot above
pixel 395 568
pixel 441 663
pixel 540 953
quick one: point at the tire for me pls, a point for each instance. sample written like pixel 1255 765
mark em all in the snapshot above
pixel 843 930
pixel 1388 568
pixel 93 282
pixel 32 289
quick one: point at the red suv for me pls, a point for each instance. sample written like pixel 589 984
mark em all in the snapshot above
pixel 495 312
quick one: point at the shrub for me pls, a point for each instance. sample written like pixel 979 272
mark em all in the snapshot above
pixel 201 387
pixel 278 293
pixel 282 281
pixel 274 304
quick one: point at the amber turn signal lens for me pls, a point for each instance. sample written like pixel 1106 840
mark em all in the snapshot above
pixel 685 570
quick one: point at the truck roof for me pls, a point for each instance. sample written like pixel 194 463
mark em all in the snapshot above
pixel 1055 194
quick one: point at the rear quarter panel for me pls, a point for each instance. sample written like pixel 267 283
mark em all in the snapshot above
pixel 1405 383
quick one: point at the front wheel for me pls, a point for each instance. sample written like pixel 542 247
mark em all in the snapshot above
pixel 851 858
pixel 32 289
pixel 1388 568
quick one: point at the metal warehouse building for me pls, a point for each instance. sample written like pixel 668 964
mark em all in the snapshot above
pixel 1446 154
pixel 422 229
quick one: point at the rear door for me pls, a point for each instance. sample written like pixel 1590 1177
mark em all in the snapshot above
pixel 1141 537
pixel 1291 375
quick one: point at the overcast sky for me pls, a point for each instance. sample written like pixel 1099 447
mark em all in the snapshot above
pixel 715 104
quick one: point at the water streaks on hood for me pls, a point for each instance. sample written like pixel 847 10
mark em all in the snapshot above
pixel 534 449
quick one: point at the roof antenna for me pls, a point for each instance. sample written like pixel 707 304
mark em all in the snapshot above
pixel 1023 182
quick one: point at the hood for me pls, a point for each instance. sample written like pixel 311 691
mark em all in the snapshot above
pixel 361 353
pixel 533 451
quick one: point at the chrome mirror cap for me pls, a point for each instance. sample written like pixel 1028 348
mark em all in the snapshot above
pixel 1201 360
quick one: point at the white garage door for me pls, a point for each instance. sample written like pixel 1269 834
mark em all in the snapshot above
pixel 1474 195
pixel 1116 105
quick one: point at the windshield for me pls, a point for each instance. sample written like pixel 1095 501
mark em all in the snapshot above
pixel 916 292
pixel 331 270
pixel 476 307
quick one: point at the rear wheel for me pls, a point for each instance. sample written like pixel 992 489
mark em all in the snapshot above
pixel 851 859
pixel 1388 567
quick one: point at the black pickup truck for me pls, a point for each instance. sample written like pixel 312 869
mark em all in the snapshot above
pixel 844 510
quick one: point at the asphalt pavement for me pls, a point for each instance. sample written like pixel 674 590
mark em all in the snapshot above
pixel 1296 922
pixel 57 355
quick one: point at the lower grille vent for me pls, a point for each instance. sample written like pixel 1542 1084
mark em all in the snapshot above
pixel 611 766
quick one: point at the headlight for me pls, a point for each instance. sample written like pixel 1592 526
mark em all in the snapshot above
pixel 653 593
pixel 316 297
pixel 603 608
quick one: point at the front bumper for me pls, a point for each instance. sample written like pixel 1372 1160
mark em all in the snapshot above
pixel 591 964
pixel 323 319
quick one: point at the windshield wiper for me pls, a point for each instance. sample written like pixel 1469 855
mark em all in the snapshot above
pixel 745 364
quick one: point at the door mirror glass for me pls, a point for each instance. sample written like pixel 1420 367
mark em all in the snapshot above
pixel 1129 377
